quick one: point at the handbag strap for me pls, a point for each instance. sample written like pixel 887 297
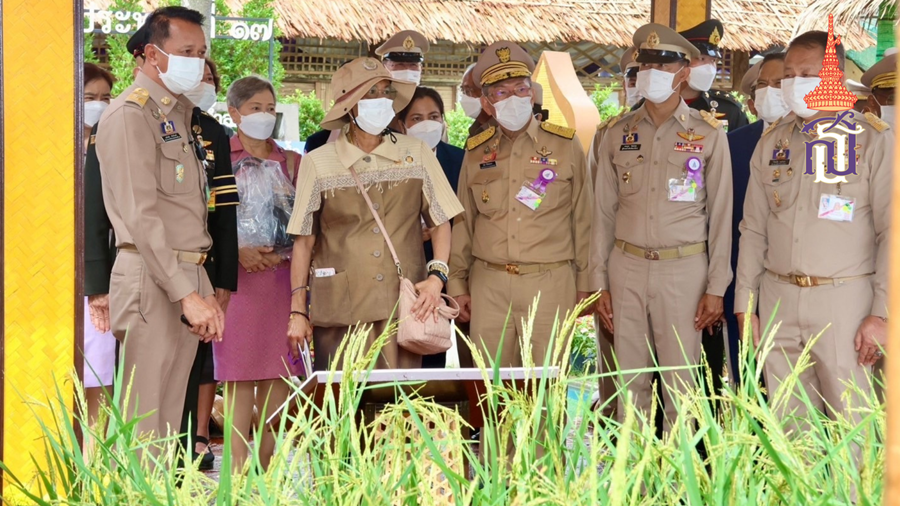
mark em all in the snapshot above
pixel 289 159
pixel 378 221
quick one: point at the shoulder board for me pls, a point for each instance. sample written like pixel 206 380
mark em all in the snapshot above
pixel 772 126
pixel 709 118
pixel 139 96
pixel 480 138
pixel 602 124
pixel 615 119
pixel 568 133
pixel 876 122
pixel 93 139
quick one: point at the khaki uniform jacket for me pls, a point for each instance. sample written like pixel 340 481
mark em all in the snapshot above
pixel 154 187
pixel 496 228
pixel 405 182
pixel 633 183
pixel 781 230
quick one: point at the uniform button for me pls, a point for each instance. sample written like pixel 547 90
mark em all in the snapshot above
pixel 367 159
pixel 514 180
pixel 513 237
pixel 651 216
pixel 379 277
pixel 377 254
pixel 179 107
pixel 796 240
pixel 657 138
pixel 801 208
pixel 376 230
pixel 376 206
pixel 185 148
pixel 655 162
pixel 653 189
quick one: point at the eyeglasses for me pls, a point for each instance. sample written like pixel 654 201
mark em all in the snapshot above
pixel 500 94
pixel 374 92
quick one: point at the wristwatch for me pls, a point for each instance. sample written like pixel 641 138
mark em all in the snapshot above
pixel 440 275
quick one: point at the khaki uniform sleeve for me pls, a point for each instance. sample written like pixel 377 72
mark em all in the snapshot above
pixel 443 204
pixel 594 156
pixel 128 164
pixel 307 200
pixel 720 207
pixel 461 258
pixel 754 242
pixel 880 188
pixel 606 204
pixel 582 217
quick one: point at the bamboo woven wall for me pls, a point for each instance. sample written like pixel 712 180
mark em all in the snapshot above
pixel 38 219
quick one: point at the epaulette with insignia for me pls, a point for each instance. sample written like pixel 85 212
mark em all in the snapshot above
pixel 876 122
pixel 615 119
pixel 602 124
pixel 709 118
pixel 93 140
pixel 565 132
pixel 480 138
pixel 139 96
pixel 771 127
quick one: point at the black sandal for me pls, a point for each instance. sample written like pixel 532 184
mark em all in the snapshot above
pixel 207 459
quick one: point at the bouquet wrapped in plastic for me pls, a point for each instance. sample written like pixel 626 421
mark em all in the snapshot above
pixel 267 199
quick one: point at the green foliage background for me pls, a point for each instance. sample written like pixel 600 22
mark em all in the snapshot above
pixel 311 111
pixel 457 126
pixel 599 97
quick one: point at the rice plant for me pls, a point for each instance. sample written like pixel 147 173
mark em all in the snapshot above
pixel 538 447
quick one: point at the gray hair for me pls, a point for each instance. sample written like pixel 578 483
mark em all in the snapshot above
pixel 245 88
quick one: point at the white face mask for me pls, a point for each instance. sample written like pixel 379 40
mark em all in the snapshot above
pixel 770 104
pixel 259 125
pixel 655 85
pixel 632 95
pixel 203 96
pixel 414 76
pixel 92 111
pixel 794 89
pixel 375 114
pixel 428 131
pixel 702 77
pixel 514 113
pixel 888 115
pixel 183 74
pixel 471 105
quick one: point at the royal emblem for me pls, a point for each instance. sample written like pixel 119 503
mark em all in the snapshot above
pixel 652 40
pixel 370 64
pixel 834 150
pixel 715 37
pixel 408 43
pixel 504 54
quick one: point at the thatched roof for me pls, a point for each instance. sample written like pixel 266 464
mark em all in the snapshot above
pixel 846 13
pixel 750 24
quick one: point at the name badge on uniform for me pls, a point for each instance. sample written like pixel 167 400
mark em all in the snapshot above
pixel 682 190
pixel 488 165
pixel 630 147
pixel 780 157
pixel 325 273
pixel 836 208
pixel 533 193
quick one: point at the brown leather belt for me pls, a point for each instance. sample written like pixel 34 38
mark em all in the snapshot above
pixel 188 257
pixel 517 269
pixel 661 254
pixel 805 281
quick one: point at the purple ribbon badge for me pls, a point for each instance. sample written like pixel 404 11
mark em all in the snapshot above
pixel 546 177
pixel 695 170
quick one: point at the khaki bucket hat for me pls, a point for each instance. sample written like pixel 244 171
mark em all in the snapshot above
pixel 352 81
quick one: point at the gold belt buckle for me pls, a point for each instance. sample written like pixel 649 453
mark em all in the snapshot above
pixel 651 254
pixel 512 269
pixel 203 257
pixel 802 281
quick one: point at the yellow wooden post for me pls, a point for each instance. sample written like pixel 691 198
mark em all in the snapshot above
pixel 892 393
pixel 679 14
pixel 38 220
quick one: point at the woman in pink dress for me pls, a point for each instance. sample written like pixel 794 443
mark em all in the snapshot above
pixel 99 343
pixel 252 358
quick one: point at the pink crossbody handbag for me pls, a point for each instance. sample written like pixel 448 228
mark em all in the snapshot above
pixel 425 338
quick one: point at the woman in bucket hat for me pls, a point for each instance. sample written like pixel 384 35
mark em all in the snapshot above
pixel 339 252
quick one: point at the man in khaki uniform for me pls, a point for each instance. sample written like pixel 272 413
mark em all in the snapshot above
pixel 155 192
pixel 606 359
pixel 819 248
pixel 403 55
pixel 663 192
pixel 527 220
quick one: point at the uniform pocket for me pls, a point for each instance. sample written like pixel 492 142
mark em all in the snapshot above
pixel 178 172
pixel 556 192
pixel 629 167
pixel 126 295
pixel 488 190
pixel 676 168
pixel 330 305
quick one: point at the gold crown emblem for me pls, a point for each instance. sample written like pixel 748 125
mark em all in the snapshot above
pixel 652 40
pixel 504 54
pixel 715 38
pixel 370 64
pixel 634 57
pixel 409 43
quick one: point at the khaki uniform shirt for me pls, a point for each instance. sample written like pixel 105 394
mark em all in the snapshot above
pixel 154 187
pixel 496 228
pixel 633 190
pixel 354 277
pixel 597 143
pixel 781 230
